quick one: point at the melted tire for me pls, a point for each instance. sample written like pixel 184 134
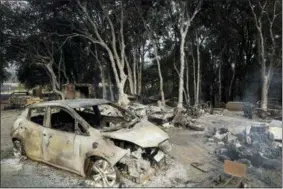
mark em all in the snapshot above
pixel 18 149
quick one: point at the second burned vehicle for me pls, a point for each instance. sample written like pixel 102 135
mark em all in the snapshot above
pixel 91 137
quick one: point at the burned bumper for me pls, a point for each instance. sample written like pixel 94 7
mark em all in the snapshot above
pixel 140 165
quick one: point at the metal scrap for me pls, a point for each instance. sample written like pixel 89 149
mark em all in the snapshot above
pixel 235 169
pixel 197 166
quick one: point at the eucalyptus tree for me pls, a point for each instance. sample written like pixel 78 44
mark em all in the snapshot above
pixel 265 15
pixel 186 16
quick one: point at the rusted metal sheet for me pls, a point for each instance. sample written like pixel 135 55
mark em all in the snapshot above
pixel 234 168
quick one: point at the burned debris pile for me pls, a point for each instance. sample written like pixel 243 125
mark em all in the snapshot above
pixel 250 110
pixel 135 167
pixel 255 146
pixel 140 164
pixel 169 117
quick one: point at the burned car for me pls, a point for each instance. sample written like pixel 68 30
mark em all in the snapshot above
pixel 90 137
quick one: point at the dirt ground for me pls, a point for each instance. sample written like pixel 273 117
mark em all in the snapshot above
pixel 188 147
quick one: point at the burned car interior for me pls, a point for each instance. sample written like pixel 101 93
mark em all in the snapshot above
pixel 63 121
pixel 37 115
pixel 105 117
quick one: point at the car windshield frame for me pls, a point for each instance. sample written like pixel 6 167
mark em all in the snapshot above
pixel 123 111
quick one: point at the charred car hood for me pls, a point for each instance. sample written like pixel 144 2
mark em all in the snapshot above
pixel 143 134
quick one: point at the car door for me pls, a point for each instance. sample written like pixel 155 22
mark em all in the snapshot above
pixel 58 139
pixel 36 121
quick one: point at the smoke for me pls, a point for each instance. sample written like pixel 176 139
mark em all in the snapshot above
pixel 252 88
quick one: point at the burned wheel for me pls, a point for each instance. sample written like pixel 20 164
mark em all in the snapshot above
pixel 103 174
pixel 18 149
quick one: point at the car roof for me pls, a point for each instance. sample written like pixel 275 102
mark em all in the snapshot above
pixel 74 103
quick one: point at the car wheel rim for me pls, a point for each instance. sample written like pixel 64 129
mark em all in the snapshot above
pixel 17 149
pixel 103 174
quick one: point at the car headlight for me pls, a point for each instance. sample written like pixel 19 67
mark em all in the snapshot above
pixel 165 146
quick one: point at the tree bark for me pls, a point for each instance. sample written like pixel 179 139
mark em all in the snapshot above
pixel 264 89
pixel 130 76
pixel 264 93
pixel 181 75
pixel 220 84
pixel 135 73
pixel 194 77
pixel 198 73
pixel 110 88
pixel 185 23
pixel 102 75
pixel 155 51
pixel 231 82
pixel 54 82
pixel 141 63
pixel 161 82
pixel 188 84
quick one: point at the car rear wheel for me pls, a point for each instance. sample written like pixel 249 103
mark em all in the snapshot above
pixel 18 149
pixel 103 174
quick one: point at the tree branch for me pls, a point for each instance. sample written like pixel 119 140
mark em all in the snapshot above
pixel 255 17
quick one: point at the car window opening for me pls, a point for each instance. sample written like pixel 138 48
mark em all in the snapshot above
pixel 81 129
pixel 37 115
pixel 62 120
pixel 104 116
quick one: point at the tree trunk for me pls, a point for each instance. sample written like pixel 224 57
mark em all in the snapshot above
pixel 102 75
pixel 110 88
pixel 160 82
pixel 54 82
pixel 198 74
pixel 135 73
pixel 140 70
pixel 194 77
pixel 265 78
pixel 220 84
pixel 181 75
pixel 184 24
pixel 200 87
pixel 187 84
pixel 264 89
pixel 231 84
pixel 264 93
pixel 123 98
pixel 130 76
